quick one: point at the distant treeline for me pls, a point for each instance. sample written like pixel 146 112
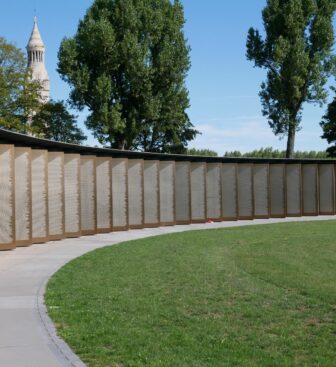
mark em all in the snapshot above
pixel 202 152
pixel 274 153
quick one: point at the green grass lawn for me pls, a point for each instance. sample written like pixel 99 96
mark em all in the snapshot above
pixel 262 296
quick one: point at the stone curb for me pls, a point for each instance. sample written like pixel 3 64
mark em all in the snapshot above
pixel 64 353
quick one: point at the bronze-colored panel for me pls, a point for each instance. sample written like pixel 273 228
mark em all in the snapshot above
pixel 40 219
pixel 135 194
pixel 72 208
pixel 326 177
pixel 198 192
pixel 7 192
pixel 245 191
pixel 151 193
pixel 167 193
pixel 214 191
pixel 277 191
pixel 23 203
pixel 229 192
pixel 120 194
pixel 293 190
pixel 182 193
pixel 56 195
pixel 104 194
pixel 261 190
pixel 88 195
pixel 310 189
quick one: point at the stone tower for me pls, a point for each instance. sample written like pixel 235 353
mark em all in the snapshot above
pixel 35 53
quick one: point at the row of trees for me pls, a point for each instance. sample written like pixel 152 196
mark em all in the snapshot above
pixel 128 62
pixel 275 153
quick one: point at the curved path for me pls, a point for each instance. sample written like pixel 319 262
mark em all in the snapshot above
pixel 27 336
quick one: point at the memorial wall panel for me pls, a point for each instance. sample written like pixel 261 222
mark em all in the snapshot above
pixel 245 191
pixel 104 194
pixel 293 190
pixel 309 189
pixel 261 190
pixel 198 191
pixel 182 193
pixel 7 197
pixel 326 189
pixel 23 207
pixel 119 194
pixel 213 191
pixel 72 212
pixel 56 195
pixel 167 193
pixel 277 190
pixel 151 193
pixel 229 191
pixel 135 193
pixel 39 171
pixel 88 195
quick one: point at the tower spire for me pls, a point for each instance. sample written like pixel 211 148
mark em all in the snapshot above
pixel 36 57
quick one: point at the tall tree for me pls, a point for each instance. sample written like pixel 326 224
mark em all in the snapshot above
pixel 297 54
pixel 54 122
pixel 127 63
pixel 19 96
pixel 328 125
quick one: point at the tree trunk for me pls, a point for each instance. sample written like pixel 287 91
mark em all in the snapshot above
pixel 290 141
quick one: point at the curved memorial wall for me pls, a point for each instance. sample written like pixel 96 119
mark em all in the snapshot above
pixel 50 190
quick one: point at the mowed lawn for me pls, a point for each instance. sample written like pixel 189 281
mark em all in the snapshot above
pixel 249 296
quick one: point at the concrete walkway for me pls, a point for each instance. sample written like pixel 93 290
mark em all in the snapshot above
pixel 27 336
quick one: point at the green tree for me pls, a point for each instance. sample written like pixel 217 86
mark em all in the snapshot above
pixel 19 96
pixel 54 122
pixel 297 54
pixel 328 125
pixel 202 152
pixel 127 63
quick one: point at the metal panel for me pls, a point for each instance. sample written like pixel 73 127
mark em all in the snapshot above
pixel 277 190
pixel 261 190
pixel 229 191
pixel 39 196
pixel 151 194
pixel 245 191
pixel 23 205
pixel 72 212
pixel 135 193
pixel 213 191
pixel 309 189
pixel 293 190
pixel 56 195
pixel 198 191
pixel 182 193
pixel 167 193
pixel 119 194
pixel 104 194
pixel 326 189
pixel 88 195
pixel 7 197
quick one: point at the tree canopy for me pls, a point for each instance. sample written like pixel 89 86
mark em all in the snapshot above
pixel 127 63
pixel 54 122
pixel 19 96
pixel 297 54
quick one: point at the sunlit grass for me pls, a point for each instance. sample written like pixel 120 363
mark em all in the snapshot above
pixel 250 296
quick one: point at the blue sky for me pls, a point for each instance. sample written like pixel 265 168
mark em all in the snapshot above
pixel 223 85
